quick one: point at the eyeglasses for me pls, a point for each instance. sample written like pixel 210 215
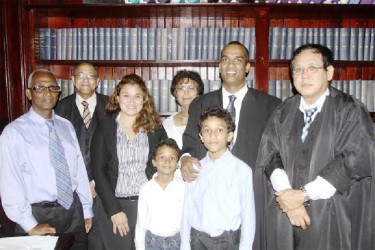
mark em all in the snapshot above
pixel 189 89
pixel 45 89
pixel 310 70
pixel 82 76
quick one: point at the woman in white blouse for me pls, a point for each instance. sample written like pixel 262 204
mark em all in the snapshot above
pixel 186 85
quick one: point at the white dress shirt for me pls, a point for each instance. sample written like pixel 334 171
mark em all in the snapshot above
pixel 159 210
pixel 91 101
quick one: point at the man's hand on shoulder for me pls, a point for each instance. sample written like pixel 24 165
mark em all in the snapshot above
pixel 42 229
pixel 190 168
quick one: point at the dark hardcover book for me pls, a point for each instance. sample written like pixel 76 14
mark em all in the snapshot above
pixel 344 44
pixel 126 44
pixel 107 43
pixel 151 43
pixel 353 44
pixel 119 39
pixel 329 38
pixel 74 44
pixel 366 44
pixel 289 43
pixel 361 41
pixel 42 43
pixel 53 33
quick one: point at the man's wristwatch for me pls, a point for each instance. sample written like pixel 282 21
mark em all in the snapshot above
pixel 306 197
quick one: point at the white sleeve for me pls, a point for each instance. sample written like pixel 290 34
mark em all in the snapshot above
pixel 279 180
pixel 320 189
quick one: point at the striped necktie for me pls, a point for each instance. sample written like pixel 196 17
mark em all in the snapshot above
pixel 86 114
pixel 308 120
pixel 58 161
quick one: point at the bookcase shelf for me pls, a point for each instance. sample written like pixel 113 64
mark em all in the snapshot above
pixel 263 18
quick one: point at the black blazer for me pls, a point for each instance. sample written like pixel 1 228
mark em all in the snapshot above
pixel 255 110
pixel 68 109
pixel 105 160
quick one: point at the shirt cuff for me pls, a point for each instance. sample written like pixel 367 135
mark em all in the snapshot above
pixel 87 213
pixel 320 189
pixel 279 180
pixel 28 223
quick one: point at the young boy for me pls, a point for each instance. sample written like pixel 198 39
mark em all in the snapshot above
pixel 219 211
pixel 160 202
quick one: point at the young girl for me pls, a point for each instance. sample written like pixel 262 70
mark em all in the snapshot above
pixel 161 201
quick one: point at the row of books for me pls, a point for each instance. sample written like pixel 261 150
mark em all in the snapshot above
pixel 363 90
pixel 354 44
pixel 139 43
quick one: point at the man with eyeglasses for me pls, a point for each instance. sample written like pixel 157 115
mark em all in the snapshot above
pixel 43 180
pixel 318 154
pixel 84 109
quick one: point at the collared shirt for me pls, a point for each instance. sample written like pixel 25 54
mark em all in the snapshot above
pixel 159 210
pixel 132 158
pixel 26 176
pixel 91 101
pixel 240 95
pixel 220 199
pixel 318 104
pixel 318 188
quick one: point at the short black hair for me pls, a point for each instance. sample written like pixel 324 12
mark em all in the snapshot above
pixel 193 75
pixel 169 143
pixel 239 44
pixel 218 113
pixel 327 55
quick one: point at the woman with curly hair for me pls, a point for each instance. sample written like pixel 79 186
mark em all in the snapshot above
pixel 121 156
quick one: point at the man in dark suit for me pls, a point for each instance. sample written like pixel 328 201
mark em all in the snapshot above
pixel 84 109
pixel 252 110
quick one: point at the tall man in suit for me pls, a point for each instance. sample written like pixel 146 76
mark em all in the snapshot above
pixel 84 109
pixel 251 112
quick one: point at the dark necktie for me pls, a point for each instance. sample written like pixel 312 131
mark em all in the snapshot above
pixel 86 114
pixel 58 161
pixel 232 110
pixel 308 120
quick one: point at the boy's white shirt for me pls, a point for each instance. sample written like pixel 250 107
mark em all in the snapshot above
pixel 159 211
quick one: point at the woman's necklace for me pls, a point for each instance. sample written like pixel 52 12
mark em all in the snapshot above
pixel 183 117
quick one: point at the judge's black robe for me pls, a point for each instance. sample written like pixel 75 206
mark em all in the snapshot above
pixel 340 148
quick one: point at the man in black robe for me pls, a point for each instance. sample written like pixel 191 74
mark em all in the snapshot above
pixel 321 172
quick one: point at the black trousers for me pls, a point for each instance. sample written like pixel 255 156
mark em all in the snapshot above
pixel 65 221
pixel 229 240
pixel 113 241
